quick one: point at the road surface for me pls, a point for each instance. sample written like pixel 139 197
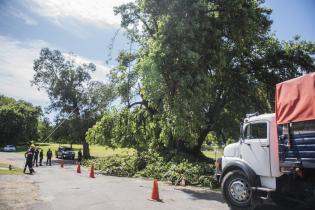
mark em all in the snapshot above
pixel 53 187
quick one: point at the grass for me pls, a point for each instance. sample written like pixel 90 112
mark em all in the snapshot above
pixel 95 150
pixel 4 170
pixel 103 151
pixel 214 154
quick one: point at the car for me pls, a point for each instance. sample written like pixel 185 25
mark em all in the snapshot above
pixel 65 153
pixel 9 148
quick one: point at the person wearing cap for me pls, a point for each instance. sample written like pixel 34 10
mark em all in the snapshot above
pixel 29 159
pixel 49 155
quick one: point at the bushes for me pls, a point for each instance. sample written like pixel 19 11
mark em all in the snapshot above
pixel 171 167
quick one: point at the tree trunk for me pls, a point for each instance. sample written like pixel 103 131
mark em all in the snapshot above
pixel 86 150
pixel 196 150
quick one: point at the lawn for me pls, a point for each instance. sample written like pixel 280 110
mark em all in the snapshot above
pixel 103 151
pixel 214 154
pixel 4 170
pixel 95 150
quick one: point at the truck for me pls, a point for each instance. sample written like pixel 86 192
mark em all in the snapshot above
pixel 275 155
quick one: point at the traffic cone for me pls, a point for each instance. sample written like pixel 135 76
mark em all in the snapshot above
pixel 155 191
pixel 92 170
pixel 61 163
pixel 79 168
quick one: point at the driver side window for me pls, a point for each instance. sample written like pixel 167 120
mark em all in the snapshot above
pixel 256 131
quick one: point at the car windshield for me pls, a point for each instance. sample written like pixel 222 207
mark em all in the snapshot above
pixel 67 149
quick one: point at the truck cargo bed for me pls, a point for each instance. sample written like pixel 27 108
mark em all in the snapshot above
pixel 297 144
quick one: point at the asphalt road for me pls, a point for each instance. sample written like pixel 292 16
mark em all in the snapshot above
pixel 53 187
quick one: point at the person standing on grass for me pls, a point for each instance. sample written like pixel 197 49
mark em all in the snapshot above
pixel 79 156
pixel 49 155
pixel 29 159
pixel 41 156
pixel 36 152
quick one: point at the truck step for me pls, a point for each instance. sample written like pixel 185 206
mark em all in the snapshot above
pixel 265 189
pixel 265 192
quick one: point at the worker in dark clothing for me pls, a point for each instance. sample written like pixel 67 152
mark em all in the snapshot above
pixel 79 156
pixel 35 162
pixel 41 156
pixel 29 159
pixel 49 155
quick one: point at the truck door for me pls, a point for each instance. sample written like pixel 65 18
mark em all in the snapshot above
pixel 255 147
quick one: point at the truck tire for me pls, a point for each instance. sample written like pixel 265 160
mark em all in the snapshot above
pixel 236 190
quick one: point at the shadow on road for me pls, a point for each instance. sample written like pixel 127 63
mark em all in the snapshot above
pixel 204 195
pixel 58 161
pixel 275 207
pixel 217 196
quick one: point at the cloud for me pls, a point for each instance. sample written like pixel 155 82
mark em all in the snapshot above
pixel 10 9
pixel 102 70
pixel 97 12
pixel 16 69
pixel 26 18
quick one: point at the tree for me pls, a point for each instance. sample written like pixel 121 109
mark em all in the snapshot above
pixel 202 65
pixel 18 121
pixel 44 129
pixel 69 87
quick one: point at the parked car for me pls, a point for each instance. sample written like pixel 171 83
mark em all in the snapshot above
pixel 9 148
pixel 65 153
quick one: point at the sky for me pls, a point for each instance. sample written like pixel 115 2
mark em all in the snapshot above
pixel 86 28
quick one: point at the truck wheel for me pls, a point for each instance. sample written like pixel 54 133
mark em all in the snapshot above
pixel 236 190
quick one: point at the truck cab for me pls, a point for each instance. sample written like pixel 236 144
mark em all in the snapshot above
pixel 256 148
pixel 275 155
pixel 248 165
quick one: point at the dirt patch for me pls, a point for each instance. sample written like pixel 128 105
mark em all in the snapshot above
pixel 17 192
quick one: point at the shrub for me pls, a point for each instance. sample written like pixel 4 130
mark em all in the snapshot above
pixel 171 167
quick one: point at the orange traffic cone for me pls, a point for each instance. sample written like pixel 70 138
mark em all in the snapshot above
pixel 79 168
pixel 61 163
pixel 92 170
pixel 155 191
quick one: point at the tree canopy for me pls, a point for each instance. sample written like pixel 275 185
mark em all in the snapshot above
pixel 201 65
pixel 73 95
pixel 18 121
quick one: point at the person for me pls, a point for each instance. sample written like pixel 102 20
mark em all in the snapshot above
pixel 29 159
pixel 79 156
pixel 41 156
pixel 49 155
pixel 35 162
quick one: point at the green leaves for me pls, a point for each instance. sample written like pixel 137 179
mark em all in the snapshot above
pixel 63 79
pixel 18 121
pixel 78 100
pixel 200 67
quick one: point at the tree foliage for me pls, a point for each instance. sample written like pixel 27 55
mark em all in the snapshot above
pixel 72 93
pixel 200 67
pixel 44 129
pixel 18 121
